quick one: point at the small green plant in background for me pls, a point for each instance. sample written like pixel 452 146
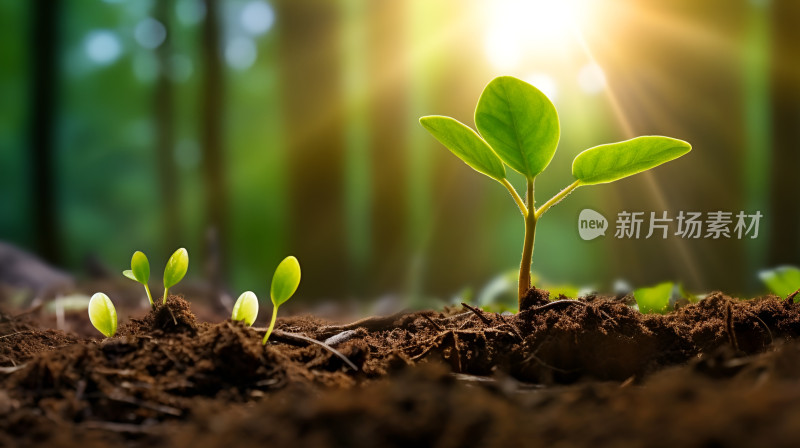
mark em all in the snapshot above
pixel 176 268
pixel 140 272
pixel 519 127
pixel 103 315
pixel 654 299
pixel 284 283
pixel 781 281
pixel 246 308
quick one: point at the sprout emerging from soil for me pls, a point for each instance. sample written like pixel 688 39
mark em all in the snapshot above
pixel 781 281
pixel 140 272
pixel 284 283
pixel 246 308
pixel 519 127
pixel 654 299
pixel 103 315
pixel 176 268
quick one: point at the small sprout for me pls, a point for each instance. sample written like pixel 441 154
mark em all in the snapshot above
pixel 246 308
pixel 176 268
pixel 284 283
pixel 103 315
pixel 782 280
pixel 140 272
pixel 518 126
pixel 654 299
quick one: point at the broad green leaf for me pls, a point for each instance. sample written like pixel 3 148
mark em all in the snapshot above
pixel 782 280
pixel 246 308
pixel 140 267
pixel 466 144
pixel 607 163
pixel 103 315
pixel 654 299
pixel 176 268
pixel 129 273
pixel 285 280
pixel 520 123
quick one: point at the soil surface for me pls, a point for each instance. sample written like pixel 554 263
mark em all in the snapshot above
pixel 561 373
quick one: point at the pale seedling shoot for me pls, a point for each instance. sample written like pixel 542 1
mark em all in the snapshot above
pixel 140 272
pixel 103 315
pixel 176 268
pixel 246 308
pixel 284 283
pixel 518 126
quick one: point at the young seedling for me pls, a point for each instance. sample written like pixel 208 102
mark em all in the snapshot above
pixel 284 283
pixel 781 281
pixel 103 315
pixel 176 268
pixel 140 272
pixel 654 299
pixel 246 308
pixel 519 127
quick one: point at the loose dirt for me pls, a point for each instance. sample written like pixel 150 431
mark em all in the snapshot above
pixel 588 372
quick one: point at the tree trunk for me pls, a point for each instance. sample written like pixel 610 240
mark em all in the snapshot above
pixel 165 137
pixel 213 160
pixel 784 233
pixel 44 70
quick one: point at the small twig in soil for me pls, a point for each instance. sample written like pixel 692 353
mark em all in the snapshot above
pixel 174 321
pixel 729 328
pixel 790 297
pixel 122 398
pixel 511 326
pixel 372 323
pixel 341 337
pixel 558 304
pixel 294 338
pixel 435 325
pixel 120 427
pixel 478 313
pixel 12 369
pixel 15 333
pixel 763 324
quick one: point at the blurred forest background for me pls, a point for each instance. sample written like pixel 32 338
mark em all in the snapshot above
pixel 248 130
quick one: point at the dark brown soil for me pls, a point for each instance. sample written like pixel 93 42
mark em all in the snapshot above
pixel 592 372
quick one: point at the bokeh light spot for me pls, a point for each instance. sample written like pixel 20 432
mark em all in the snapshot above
pixel 241 53
pixel 257 17
pixel 591 78
pixel 102 47
pixel 150 33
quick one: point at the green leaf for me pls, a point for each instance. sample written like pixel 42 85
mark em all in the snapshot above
pixel 654 299
pixel 140 267
pixel 285 281
pixel 520 123
pixel 103 315
pixel 782 280
pixel 176 268
pixel 129 273
pixel 466 144
pixel 246 308
pixel 607 163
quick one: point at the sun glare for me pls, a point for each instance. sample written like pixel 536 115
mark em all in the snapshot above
pixel 520 30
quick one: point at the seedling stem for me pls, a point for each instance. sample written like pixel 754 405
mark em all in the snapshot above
pixel 527 246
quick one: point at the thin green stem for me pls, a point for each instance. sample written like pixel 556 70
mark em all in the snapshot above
pixel 515 195
pixel 271 324
pixel 527 247
pixel 149 296
pixel 166 291
pixel 556 199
